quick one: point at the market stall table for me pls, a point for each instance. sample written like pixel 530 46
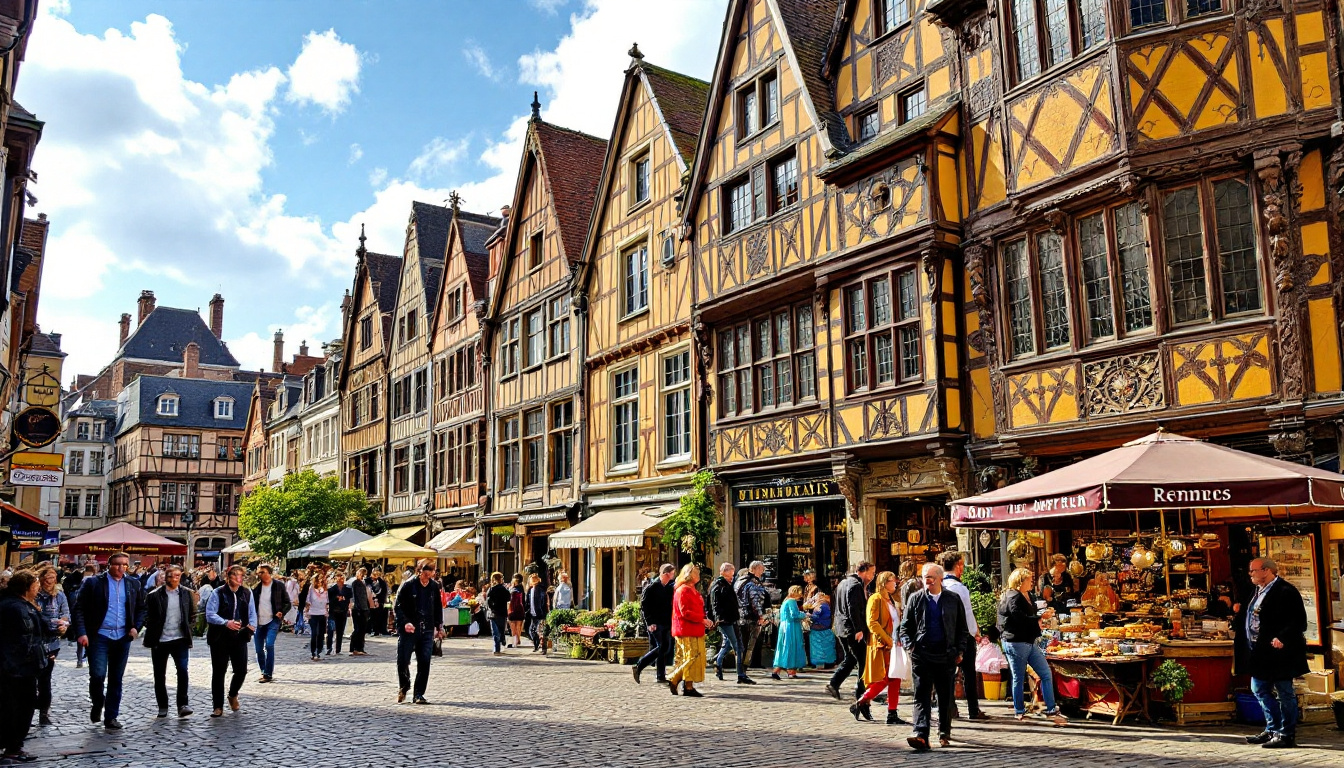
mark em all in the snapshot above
pixel 1108 685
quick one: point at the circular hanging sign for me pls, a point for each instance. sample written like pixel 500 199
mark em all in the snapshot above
pixel 37 426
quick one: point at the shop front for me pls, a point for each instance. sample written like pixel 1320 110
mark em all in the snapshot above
pixel 457 552
pixel 536 555
pixel 906 501
pixel 792 524
pixel 618 550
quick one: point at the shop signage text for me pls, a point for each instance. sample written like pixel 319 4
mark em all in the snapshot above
pixel 1186 495
pixel 46 478
pixel 786 491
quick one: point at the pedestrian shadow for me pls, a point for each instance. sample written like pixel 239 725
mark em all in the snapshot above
pixel 487 705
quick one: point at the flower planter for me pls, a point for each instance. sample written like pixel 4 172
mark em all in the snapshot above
pixel 993 685
pixel 630 649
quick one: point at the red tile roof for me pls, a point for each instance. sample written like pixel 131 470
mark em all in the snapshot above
pixel 572 162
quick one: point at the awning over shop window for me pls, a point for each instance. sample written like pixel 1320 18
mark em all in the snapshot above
pixel 452 540
pixel 406 531
pixel 240 548
pixel 611 529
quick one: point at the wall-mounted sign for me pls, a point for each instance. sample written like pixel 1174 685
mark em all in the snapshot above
pixel 35 460
pixel 37 426
pixel 786 492
pixel 46 478
pixel 42 389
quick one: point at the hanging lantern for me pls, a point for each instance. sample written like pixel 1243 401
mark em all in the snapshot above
pixel 1142 557
pixel 1097 551
pixel 1019 547
pixel 1076 568
pixel 1177 547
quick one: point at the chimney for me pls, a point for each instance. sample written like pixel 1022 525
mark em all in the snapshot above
pixel 146 306
pixel 278 358
pixel 217 316
pixel 191 361
pixel 125 328
pixel 303 348
pixel 55 339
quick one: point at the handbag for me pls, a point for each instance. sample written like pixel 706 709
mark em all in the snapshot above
pixel 899 666
pixel 438 647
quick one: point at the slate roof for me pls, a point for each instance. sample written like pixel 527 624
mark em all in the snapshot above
pixel 293 401
pixel 681 99
pixel 42 344
pixel 810 26
pixel 573 166
pixel 138 404
pixel 165 334
pixel 385 274
pixel 431 235
pixel 476 230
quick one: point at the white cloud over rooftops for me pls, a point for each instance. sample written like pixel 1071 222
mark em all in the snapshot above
pixel 326 72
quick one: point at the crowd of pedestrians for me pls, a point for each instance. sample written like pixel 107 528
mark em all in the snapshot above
pixel 887 629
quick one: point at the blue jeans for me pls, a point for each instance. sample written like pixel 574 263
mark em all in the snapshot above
pixel 1281 712
pixel 660 652
pixel 421 645
pixel 1023 655
pixel 299 624
pixel 264 642
pixel 499 631
pixel 731 643
pixel 107 665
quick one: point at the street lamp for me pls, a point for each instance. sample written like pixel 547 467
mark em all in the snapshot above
pixel 188 518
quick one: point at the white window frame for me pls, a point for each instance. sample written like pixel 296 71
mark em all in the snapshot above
pixel 625 410
pixel 167 406
pixel 668 390
pixel 224 408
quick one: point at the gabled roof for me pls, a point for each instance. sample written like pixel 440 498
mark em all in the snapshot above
pixel 476 229
pixel 138 403
pixel 805 28
pixel 44 345
pixel 572 164
pixel 166 332
pixel 681 102
pixel 431 236
pixel 263 394
pixel 385 274
pixel 293 391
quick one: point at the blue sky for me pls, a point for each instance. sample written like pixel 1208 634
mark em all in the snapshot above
pixel 194 147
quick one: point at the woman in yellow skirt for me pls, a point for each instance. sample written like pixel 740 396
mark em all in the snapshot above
pixel 688 630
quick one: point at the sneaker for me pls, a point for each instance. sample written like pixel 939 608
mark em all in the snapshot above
pixel 163 711
pixel 112 724
pixel 184 711
pixel 421 700
pixel 918 743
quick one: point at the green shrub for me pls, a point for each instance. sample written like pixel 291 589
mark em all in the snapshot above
pixel 560 617
pixel 596 618
pixel 1173 680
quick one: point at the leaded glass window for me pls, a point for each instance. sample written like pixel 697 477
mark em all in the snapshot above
pixel 1185 256
pixel 1096 276
pixel 1054 301
pixel 1017 290
pixel 1236 246
pixel 1132 242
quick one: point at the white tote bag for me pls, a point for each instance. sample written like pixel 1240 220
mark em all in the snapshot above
pixel 899 667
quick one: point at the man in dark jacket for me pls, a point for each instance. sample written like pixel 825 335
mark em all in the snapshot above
pixel 497 610
pixel 753 600
pixel 338 611
pixel 108 613
pixel 170 614
pixel 419 610
pixel 359 611
pixel 933 631
pixel 378 602
pixel 849 607
pixel 724 610
pixel 1271 647
pixel 655 605
pixel 271 602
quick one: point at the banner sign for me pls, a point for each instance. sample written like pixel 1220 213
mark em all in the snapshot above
pixel 46 478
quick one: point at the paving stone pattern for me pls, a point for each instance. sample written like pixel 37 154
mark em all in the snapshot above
pixel 526 710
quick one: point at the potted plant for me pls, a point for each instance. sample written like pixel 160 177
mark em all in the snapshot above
pixel 625 646
pixel 1172 680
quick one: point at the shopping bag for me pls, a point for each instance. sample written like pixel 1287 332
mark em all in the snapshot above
pixel 438 647
pixel 899 666
pixel 473 629
pixel 989 659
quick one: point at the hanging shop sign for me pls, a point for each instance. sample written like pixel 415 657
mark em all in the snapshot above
pixel 37 426
pixel 787 491
pixel 43 478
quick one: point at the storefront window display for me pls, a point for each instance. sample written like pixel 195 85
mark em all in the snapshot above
pixel 792 537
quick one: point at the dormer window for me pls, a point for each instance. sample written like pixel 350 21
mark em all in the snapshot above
pixel 167 405
pixel 224 408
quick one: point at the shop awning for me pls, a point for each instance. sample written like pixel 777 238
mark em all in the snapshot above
pixel 1159 472
pixel 239 548
pixel 405 532
pixel 453 540
pixel 26 519
pixel 323 547
pixel 611 529
pixel 121 537
pixel 380 547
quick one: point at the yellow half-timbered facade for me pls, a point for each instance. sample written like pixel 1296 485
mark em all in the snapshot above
pixel 536 367
pixel 641 417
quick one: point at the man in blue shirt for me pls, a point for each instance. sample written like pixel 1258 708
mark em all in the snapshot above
pixel 231 616
pixel 933 631
pixel 113 607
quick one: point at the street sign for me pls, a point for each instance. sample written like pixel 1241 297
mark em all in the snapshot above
pixel 188 517
pixel 46 478
pixel 37 426
pixel 35 460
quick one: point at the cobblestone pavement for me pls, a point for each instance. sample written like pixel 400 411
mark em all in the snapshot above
pixel 526 710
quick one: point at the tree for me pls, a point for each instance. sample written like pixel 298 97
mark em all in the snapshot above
pixel 304 508
pixel 697 524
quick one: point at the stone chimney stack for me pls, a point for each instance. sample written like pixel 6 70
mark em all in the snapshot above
pixel 217 316
pixel 303 348
pixel 191 361
pixel 146 305
pixel 125 328
pixel 278 358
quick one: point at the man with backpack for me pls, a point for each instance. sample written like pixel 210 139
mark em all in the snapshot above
pixel 752 602
pixel 725 613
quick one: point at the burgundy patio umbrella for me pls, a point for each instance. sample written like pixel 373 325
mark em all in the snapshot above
pixel 1162 471
pixel 121 537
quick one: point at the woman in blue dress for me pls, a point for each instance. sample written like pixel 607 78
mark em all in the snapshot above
pixel 822 643
pixel 789 653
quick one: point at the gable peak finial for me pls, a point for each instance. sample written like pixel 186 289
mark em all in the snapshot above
pixel 536 107
pixel 362 238
pixel 635 52
pixel 454 201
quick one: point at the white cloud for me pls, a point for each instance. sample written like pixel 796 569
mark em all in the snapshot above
pixel 436 157
pixel 356 154
pixel 326 72
pixel 313 325
pixel 548 6
pixel 377 176
pixel 480 60
pixel 308 139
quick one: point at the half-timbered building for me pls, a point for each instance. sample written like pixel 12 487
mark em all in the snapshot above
pixel 363 374
pixel 256 441
pixel 178 458
pixel 636 282
pixel 459 441
pixel 537 364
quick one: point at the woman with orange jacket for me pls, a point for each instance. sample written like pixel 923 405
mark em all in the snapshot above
pixel 883 616
pixel 688 631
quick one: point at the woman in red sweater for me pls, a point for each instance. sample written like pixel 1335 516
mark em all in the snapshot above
pixel 688 630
